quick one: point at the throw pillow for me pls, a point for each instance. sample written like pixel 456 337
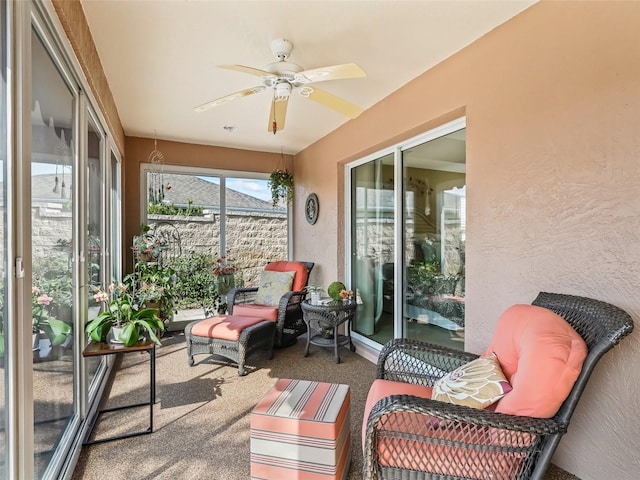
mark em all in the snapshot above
pixel 477 384
pixel 272 286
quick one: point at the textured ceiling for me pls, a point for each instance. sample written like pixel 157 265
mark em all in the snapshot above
pixel 161 57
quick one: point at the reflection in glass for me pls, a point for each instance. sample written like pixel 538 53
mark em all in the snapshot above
pixel 3 240
pixel 95 209
pixel 52 169
pixel 372 268
pixel 434 228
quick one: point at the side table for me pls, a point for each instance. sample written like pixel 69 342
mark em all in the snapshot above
pixel 99 348
pixel 329 316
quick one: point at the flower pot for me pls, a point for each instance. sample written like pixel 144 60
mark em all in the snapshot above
pixel 115 335
pixel 225 283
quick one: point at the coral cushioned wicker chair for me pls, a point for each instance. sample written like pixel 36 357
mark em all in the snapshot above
pixel 419 422
pixel 279 305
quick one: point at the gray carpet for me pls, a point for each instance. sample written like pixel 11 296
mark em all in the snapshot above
pixel 201 418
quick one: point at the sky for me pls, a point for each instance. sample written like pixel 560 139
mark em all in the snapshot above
pixel 250 186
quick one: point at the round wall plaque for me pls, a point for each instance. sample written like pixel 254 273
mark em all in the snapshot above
pixel 311 208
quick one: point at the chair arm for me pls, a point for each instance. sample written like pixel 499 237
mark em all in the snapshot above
pixel 418 362
pixel 290 302
pixel 241 295
pixel 421 423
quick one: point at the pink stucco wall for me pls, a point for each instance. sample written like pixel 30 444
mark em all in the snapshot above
pixel 552 101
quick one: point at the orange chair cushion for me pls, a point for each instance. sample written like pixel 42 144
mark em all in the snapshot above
pixel 440 452
pixel 383 388
pixel 224 327
pixel 300 278
pixel 265 312
pixel 541 355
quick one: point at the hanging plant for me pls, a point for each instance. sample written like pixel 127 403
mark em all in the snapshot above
pixel 281 184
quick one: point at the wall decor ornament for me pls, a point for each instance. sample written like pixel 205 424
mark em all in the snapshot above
pixel 312 208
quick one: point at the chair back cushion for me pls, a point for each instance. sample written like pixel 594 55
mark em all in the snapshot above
pixel 541 355
pixel 300 278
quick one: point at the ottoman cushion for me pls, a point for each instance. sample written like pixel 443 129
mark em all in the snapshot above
pixel 224 327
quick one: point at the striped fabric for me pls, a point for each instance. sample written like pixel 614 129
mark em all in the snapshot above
pixel 300 430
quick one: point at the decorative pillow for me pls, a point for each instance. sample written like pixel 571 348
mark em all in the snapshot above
pixel 477 384
pixel 272 286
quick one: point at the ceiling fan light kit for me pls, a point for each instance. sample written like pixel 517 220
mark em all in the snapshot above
pixel 283 77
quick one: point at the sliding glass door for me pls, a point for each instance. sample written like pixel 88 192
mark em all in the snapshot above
pixel 52 205
pixel 407 214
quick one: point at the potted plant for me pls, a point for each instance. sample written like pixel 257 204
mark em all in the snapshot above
pixel 124 313
pixel 225 269
pixel 281 184
pixel 155 288
pixel 146 245
pixel 47 331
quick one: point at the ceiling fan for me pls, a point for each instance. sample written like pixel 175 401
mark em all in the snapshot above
pixel 284 77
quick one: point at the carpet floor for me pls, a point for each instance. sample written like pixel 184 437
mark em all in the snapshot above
pixel 201 418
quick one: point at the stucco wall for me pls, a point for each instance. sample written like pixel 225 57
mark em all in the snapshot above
pixel 552 101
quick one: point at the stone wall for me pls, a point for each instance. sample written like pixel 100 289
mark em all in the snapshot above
pixel 253 238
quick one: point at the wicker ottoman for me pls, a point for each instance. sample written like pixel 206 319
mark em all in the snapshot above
pixel 229 336
pixel 301 430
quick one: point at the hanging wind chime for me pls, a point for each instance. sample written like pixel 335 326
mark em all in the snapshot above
pixel 55 181
pixel 156 180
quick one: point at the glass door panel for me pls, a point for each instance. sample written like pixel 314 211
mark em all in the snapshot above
pixel 372 264
pixel 95 213
pixel 4 238
pixel 52 169
pixel 434 234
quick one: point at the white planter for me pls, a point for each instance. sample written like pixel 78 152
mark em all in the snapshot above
pixel 44 347
pixel 115 334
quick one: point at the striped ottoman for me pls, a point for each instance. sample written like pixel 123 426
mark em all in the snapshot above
pixel 301 430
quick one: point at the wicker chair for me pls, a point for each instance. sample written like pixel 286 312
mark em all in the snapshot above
pixel 441 441
pixel 288 318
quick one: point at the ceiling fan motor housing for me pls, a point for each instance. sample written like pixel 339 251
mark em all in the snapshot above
pixel 281 48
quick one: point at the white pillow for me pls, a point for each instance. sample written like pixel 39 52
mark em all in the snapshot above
pixel 476 384
pixel 272 286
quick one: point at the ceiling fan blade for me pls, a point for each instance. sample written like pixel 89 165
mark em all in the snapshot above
pixel 277 115
pixel 334 72
pixel 226 98
pixel 250 70
pixel 331 101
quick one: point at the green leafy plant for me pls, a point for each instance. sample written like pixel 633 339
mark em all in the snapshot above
pixel 281 184
pixel 122 308
pixel 156 285
pixel 197 283
pixel 43 323
pixel 191 210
